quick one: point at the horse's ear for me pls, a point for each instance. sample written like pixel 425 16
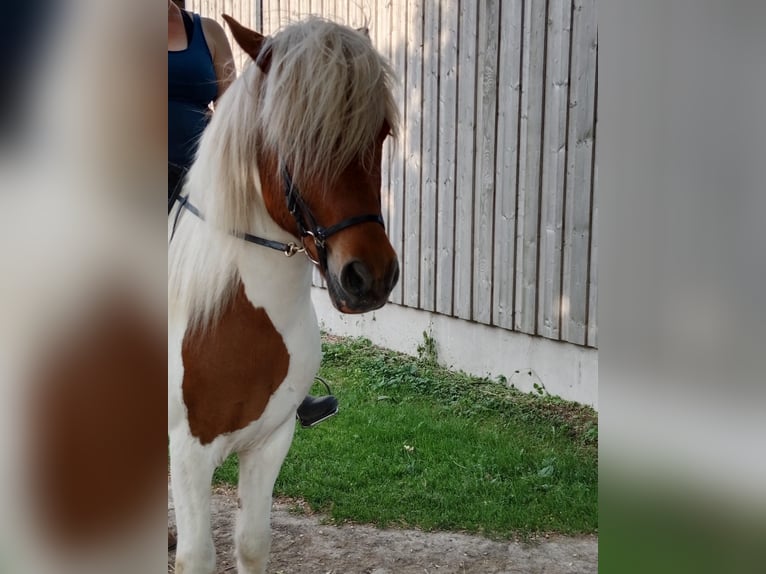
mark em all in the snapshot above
pixel 364 30
pixel 263 61
pixel 251 42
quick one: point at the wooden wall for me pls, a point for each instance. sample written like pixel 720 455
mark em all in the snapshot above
pixel 490 195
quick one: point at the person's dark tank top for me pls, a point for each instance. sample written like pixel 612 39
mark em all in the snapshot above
pixel 192 85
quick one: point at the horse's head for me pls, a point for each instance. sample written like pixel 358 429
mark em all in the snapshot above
pixel 326 109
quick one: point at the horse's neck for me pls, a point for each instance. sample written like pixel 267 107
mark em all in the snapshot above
pixel 281 285
pixel 271 279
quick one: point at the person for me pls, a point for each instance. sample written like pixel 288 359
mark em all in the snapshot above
pixel 200 68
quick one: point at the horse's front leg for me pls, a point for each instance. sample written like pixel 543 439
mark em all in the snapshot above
pixel 191 471
pixel 258 470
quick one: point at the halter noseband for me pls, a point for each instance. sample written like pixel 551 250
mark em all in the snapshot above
pixel 307 225
pixel 304 219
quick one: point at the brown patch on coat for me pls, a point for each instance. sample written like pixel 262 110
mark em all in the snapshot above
pixel 98 424
pixel 231 369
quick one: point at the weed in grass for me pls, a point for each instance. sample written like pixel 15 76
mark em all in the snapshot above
pixel 427 350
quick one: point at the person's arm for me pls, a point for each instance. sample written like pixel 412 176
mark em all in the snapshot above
pixel 220 49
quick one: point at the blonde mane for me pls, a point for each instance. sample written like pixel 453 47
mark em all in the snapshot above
pixel 321 105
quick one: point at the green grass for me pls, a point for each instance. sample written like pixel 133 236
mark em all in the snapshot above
pixel 417 445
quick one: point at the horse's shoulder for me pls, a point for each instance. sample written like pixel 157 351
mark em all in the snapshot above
pixel 231 369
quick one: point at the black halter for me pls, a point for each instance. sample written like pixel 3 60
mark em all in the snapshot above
pixel 304 219
pixel 307 225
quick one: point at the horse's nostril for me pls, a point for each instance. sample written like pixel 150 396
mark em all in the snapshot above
pixel 356 279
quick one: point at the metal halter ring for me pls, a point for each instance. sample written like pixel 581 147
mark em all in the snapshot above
pixel 292 248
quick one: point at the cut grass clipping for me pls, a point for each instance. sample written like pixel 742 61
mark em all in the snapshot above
pixel 417 445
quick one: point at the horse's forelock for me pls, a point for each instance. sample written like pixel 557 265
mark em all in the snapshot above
pixel 325 98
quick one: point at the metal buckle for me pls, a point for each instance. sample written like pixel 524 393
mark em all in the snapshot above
pixel 291 249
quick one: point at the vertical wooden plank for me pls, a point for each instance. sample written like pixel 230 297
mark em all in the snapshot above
pixel 382 41
pixel 466 150
pixel 374 22
pixel 507 161
pixel 398 172
pixel 282 13
pixel 554 157
pixel 484 179
pixel 592 339
pixel 577 235
pixel 532 99
pixel 293 11
pixel 412 151
pixel 430 156
pixel 247 17
pixel 447 155
pixel 266 16
pixel 276 7
pixel 242 9
pixel 354 11
pixel 258 15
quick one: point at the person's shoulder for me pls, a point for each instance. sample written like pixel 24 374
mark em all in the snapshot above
pixel 215 36
pixel 211 26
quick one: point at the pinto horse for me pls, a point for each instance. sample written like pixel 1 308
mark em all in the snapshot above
pixel 289 164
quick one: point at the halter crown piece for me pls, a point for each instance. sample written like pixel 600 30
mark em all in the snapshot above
pixel 304 219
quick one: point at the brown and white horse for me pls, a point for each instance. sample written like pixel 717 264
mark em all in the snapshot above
pixel 289 163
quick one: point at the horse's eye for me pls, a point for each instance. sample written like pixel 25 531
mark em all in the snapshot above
pixel 385 130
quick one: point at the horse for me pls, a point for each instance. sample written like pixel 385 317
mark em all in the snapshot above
pixel 290 164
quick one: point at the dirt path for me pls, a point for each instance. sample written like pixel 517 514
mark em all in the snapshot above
pixel 303 545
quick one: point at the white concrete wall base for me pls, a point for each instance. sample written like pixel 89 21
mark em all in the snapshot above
pixel 565 370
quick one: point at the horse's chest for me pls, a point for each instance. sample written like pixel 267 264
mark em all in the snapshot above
pixel 232 369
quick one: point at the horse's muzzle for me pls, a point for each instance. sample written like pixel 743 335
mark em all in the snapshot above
pixel 357 289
